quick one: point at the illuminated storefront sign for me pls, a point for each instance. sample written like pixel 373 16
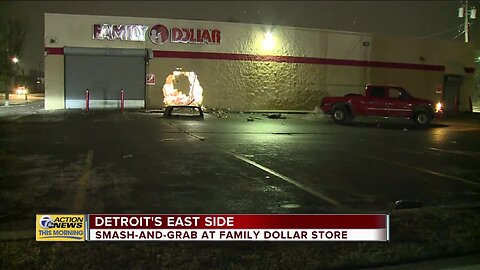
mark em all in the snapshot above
pixel 160 34
pixel 122 32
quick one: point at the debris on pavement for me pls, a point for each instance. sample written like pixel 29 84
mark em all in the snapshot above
pixel 275 116
pixel 290 206
pixel 405 129
pixel 406 204
pixel 221 114
pixel 127 156
pixel 250 119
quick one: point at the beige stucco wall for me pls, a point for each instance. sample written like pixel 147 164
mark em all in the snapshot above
pixel 421 83
pixel 453 55
pixel 54 82
pixel 249 85
pixel 240 85
pixel 76 31
pixel 409 50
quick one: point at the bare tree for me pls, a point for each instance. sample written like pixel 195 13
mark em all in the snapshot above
pixel 12 36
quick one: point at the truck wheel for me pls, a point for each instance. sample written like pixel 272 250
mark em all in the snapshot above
pixel 422 118
pixel 341 115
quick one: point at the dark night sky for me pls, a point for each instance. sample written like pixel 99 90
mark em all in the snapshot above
pixel 410 18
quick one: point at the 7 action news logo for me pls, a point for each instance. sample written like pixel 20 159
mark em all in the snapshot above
pixel 60 228
pixel 46 222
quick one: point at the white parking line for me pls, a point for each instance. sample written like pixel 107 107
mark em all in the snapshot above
pixel 465 153
pixel 289 180
pixel 456 178
pixel 272 172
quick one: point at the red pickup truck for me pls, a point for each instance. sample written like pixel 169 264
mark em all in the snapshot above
pixel 384 101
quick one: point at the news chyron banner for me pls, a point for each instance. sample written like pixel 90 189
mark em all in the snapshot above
pixel 60 227
pixel 238 227
pixel 235 227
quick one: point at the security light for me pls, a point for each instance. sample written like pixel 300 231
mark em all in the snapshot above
pixel 268 42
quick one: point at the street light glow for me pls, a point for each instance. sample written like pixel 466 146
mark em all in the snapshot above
pixel 15 60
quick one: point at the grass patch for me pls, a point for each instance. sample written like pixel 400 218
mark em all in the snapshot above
pixel 415 235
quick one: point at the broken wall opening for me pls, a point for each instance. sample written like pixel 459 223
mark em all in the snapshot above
pixel 182 88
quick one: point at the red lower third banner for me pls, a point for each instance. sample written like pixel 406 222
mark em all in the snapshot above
pixel 238 227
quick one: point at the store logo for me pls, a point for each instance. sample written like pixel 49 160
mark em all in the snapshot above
pixel 160 34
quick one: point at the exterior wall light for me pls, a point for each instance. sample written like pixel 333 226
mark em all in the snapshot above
pixel 15 60
pixel 268 42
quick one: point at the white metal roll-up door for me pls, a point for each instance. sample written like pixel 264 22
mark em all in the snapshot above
pixel 104 72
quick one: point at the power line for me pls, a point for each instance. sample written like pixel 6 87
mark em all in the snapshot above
pixel 441 32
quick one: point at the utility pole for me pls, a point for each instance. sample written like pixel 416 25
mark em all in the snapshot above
pixel 466 21
pixel 463 12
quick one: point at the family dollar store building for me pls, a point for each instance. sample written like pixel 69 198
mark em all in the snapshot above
pixel 159 62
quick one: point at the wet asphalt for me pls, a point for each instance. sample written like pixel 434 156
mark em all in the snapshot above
pixel 138 162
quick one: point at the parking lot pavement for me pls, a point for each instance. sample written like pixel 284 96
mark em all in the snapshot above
pixel 109 162
pixel 16 100
pixel 18 110
pixel 458 263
